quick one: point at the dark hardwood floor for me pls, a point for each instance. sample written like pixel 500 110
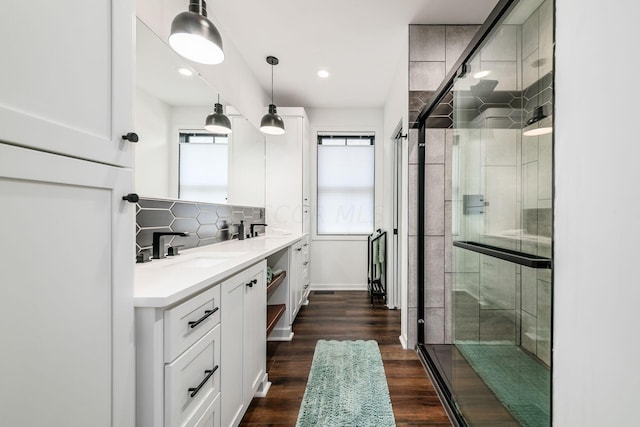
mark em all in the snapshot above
pixel 345 316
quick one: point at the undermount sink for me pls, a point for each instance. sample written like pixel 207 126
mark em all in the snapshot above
pixel 206 260
pixel 224 255
pixel 200 262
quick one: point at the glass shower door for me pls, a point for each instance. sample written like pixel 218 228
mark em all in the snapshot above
pixel 502 223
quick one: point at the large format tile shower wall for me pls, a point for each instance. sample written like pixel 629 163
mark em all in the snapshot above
pixel 206 223
pixel 433 50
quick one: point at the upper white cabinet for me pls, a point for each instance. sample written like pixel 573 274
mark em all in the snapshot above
pixel 287 180
pixel 66 84
pixel 66 299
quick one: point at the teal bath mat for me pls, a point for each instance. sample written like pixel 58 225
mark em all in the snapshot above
pixel 347 386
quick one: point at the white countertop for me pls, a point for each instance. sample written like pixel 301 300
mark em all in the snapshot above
pixel 163 282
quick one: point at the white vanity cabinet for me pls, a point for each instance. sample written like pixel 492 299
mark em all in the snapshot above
pixel 299 281
pixel 292 293
pixel 306 281
pixel 244 315
pixel 178 362
pixel 200 361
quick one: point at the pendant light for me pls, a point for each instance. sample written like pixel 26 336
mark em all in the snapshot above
pixel 538 124
pixel 272 123
pixel 217 122
pixel 195 37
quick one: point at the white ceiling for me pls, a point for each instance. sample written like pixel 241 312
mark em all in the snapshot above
pixel 360 42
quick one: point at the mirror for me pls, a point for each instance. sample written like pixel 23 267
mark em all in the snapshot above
pixel 176 158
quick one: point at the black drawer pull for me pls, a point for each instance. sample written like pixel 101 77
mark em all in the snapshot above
pixel 251 283
pixel 207 313
pixel 193 391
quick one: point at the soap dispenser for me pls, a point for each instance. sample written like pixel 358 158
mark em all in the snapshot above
pixel 241 231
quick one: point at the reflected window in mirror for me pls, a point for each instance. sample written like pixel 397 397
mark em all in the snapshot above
pixel 203 166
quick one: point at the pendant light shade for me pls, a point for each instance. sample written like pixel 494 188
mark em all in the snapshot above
pixel 195 37
pixel 217 122
pixel 538 124
pixel 272 123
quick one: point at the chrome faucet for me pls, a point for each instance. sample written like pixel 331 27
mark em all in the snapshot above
pixel 158 241
pixel 253 233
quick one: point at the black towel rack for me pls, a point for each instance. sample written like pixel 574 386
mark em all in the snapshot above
pixel 377 271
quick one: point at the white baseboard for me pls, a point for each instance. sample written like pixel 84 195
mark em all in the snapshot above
pixel 264 387
pixel 338 287
pixel 281 334
pixel 403 342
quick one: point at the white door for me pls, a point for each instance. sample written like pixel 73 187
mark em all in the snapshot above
pixel 231 362
pixel 295 281
pixel 254 334
pixel 66 294
pixel 66 81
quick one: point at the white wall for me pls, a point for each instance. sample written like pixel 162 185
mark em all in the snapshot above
pixel 340 263
pixel 597 215
pixel 396 110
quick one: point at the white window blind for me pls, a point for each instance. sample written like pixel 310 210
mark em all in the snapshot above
pixel 345 184
pixel 203 174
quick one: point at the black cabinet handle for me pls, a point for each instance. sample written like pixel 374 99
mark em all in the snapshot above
pixel 251 283
pixel 298 249
pixel 131 137
pixel 131 198
pixel 194 390
pixel 307 262
pixel 207 313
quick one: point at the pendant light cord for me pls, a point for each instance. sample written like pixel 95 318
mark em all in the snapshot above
pixel 272 83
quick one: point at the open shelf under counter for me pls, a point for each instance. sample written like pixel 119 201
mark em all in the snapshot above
pixel 274 312
pixel 275 281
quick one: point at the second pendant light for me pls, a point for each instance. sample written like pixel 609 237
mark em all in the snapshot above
pixel 217 122
pixel 272 123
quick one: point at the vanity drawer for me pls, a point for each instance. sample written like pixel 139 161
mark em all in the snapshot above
pixel 192 382
pixel 188 322
pixel 210 416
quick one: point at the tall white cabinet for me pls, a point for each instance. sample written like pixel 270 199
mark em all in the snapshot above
pixel 288 207
pixel 287 179
pixel 66 299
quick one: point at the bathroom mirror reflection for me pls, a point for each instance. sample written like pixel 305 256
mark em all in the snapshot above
pixel 176 157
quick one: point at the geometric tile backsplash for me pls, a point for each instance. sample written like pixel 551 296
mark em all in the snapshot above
pixel 206 223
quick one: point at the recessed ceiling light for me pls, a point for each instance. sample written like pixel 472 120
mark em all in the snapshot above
pixel 481 74
pixel 323 74
pixel 185 71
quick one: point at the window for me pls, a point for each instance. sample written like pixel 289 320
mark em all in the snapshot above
pixel 345 184
pixel 203 172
